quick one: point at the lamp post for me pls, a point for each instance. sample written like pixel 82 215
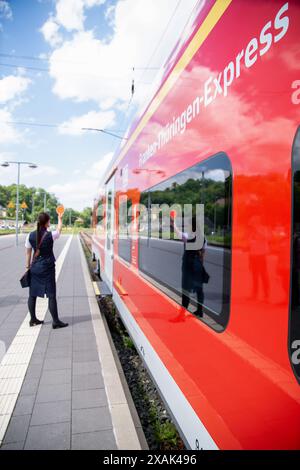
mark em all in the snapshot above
pixel 30 165
pixel 32 207
pixel 39 193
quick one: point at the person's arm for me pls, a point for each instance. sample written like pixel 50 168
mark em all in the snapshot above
pixel 203 249
pixel 60 224
pixel 28 252
pixel 28 257
pixel 57 232
pixel 181 235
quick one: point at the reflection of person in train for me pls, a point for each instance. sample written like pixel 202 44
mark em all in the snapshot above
pixel 258 250
pixel 192 267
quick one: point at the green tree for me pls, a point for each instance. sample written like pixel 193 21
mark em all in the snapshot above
pixel 34 198
pixel 86 215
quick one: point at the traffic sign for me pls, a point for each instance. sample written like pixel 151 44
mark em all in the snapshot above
pixel 24 205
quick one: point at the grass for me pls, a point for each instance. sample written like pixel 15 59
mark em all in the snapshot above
pixel 166 432
pixel 219 240
pixel 65 230
pixel 128 343
pixel 76 230
pixel 6 232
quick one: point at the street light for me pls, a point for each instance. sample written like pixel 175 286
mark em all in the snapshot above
pixel 30 165
pixel 32 206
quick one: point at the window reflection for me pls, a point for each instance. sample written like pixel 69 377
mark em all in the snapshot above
pixel 100 218
pixel 125 218
pixel 108 221
pixel 198 279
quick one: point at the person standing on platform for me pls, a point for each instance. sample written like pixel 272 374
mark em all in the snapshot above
pixel 42 268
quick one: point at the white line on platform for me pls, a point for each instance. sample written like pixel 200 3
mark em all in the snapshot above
pixel 123 425
pixel 14 364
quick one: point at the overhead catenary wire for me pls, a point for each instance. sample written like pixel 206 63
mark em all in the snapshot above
pixel 41 59
pixel 134 85
pixel 44 70
pixel 39 124
pixel 161 38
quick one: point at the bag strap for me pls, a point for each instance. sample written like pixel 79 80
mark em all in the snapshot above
pixel 37 251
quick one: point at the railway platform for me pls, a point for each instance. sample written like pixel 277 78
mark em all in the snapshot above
pixel 60 389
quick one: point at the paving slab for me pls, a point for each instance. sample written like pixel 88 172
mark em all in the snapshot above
pixel 17 429
pixel 83 399
pixel 54 393
pixel 49 437
pixel 51 413
pixel 99 440
pixel 91 419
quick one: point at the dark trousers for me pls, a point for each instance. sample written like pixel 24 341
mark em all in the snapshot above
pixel 200 298
pixel 52 305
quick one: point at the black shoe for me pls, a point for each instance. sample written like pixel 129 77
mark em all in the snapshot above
pixel 199 313
pixel 35 322
pixel 59 324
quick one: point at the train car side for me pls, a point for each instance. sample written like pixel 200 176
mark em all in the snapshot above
pixel 226 112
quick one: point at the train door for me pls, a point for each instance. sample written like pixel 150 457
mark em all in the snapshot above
pixel 109 242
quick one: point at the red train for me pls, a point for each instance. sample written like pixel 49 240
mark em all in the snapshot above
pixel 222 131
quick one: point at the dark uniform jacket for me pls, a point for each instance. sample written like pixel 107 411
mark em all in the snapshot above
pixel 43 268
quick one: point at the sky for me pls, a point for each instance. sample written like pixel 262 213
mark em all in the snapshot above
pixel 69 63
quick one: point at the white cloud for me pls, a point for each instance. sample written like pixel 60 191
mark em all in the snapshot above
pixel 99 167
pixel 5 10
pixel 86 68
pixel 12 86
pixel 96 119
pixel 50 31
pixel 69 14
pixel 42 170
pixel 8 133
pixel 29 176
pixel 75 194
pixel 80 193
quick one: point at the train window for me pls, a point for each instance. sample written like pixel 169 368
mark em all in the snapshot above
pixel 108 220
pixel 164 256
pixel 294 327
pixel 125 218
pixel 100 213
pixel 99 218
